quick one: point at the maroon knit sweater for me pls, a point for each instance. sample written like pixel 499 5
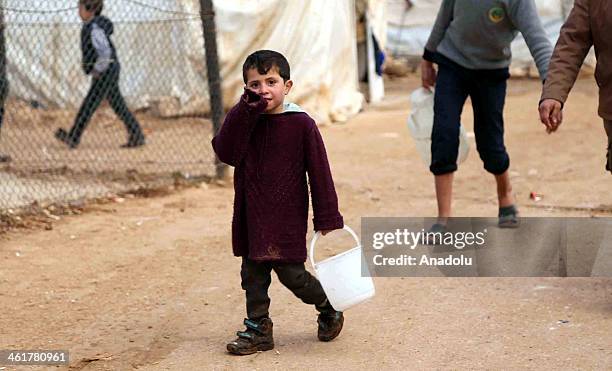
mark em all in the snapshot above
pixel 271 154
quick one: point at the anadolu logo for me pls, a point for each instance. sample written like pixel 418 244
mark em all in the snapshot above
pixel 497 14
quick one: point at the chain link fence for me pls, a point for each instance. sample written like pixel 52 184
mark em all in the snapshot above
pixel 114 104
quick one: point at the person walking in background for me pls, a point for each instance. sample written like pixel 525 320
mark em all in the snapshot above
pixel 101 62
pixel 470 43
pixel 589 24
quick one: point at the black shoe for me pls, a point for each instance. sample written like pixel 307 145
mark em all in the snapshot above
pixel 438 230
pixel 133 142
pixel 257 338
pixel 63 136
pixel 5 158
pixel 508 217
pixel 330 325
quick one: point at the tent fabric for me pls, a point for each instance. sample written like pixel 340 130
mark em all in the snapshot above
pixel 161 49
pixel 409 29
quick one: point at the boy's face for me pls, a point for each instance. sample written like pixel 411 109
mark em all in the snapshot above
pixel 85 14
pixel 270 86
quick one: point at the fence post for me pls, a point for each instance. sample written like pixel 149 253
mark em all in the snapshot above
pixel 3 77
pixel 207 14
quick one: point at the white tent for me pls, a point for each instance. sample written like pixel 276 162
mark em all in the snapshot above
pixel 408 29
pixel 161 50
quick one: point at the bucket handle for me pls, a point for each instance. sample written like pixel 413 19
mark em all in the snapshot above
pixel 313 242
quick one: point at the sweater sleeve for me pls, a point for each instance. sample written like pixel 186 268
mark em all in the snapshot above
pixel 444 18
pixel 524 15
pixel 232 141
pixel 574 42
pixel 323 192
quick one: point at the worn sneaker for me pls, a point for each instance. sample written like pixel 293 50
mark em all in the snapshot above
pixel 508 217
pixel 435 230
pixel 257 338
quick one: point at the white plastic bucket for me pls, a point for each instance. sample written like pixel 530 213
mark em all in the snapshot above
pixel 341 277
pixel 420 124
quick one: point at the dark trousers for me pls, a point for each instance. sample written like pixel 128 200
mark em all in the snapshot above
pixel 4 89
pixel 256 279
pixel 608 127
pixel 105 87
pixel 487 91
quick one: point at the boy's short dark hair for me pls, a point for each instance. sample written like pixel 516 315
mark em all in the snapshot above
pixel 263 61
pixel 95 6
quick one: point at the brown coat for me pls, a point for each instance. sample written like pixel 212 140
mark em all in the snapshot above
pixel 589 24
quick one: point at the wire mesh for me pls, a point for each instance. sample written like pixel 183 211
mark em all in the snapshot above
pixel 115 102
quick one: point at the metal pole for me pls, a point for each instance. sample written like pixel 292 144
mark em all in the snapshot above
pixel 3 78
pixel 4 87
pixel 207 14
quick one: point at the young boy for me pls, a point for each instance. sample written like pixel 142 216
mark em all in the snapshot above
pixel 272 146
pixel 470 42
pixel 100 61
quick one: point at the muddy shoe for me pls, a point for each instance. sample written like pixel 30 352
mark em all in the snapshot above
pixel 256 338
pixel 330 325
pixel 508 217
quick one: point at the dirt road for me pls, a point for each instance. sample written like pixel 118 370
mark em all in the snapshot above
pixel 150 283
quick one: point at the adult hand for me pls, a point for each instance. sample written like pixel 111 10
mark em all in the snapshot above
pixel 551 114
pixel 428 74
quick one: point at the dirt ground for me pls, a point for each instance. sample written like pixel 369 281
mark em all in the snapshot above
pixel 46 171
pixel 151 283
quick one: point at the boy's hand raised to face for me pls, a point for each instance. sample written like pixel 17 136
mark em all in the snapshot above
pixel 551 114
pixel 428 74
pixel 252 98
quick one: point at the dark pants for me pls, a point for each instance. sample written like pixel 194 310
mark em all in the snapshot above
pixel 487 90
pixel 608 127
pixel 4 87
pixel 105 87
pixel 256 280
